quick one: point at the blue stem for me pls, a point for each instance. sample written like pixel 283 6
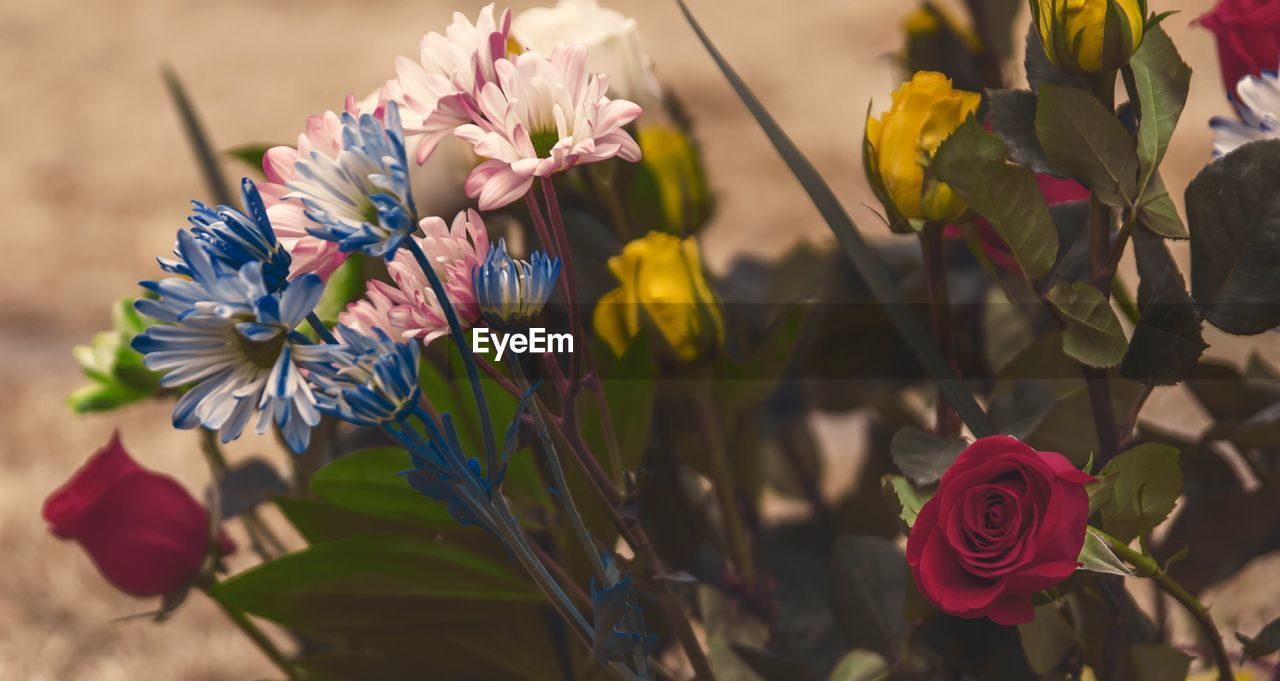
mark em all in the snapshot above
pixel 473 374
pixel 321 330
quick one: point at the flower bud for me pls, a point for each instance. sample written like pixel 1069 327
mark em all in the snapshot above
pixel 145 532
pixel 512 292
pixel 1089 36
pixel 901 143
pixel 660 275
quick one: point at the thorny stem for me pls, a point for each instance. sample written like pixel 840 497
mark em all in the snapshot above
pixel 946 422
pixel 1146 566
pixel 468 360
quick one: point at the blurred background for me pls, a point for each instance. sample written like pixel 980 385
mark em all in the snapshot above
pixel 98 178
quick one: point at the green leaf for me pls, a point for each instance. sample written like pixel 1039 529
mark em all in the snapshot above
pixel 861 665
pixel 369 481
pixel 116 369
pixel 972 161
pixel 1157 212
pixel 1146 482
pixel 1093 334
pixel 1262 643
pixel 869 585
pixel 1167 342
pixel 1158 663
pixel 1235 239
pixel 1081 137
pixel 321 521
pixel 748 382
pixel 1020 411
pixel 1047 639
pixel 1012 115
pixel 345 285
pixel 210 169
pixel 1097 556
pixel 1161 81
pixel 377 582
pixel 870 269
pixel 907 498
pixel 250 154
pixel 924 457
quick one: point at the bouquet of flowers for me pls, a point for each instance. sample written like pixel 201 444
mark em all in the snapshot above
pixel 533 438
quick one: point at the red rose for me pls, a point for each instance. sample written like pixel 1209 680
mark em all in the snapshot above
pixel 143 530
pixel 1248 34
pixel 1007 521
pixel 1056 190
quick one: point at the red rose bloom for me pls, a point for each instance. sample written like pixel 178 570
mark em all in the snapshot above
pixel 1055 189
pixel 1248 34
pixel 1007 521
pixel 143 530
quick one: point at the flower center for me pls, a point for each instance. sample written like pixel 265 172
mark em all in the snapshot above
pixel 543 141
pixel 261 353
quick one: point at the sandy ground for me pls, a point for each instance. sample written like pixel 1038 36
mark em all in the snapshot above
pixel 97 177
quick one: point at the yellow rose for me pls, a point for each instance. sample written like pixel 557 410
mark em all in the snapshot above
pixel 1089 36
pixel 660 275
pixel 900 145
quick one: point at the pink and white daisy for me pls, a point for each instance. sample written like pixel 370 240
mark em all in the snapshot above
pixel 543 115
pixel 435 92
pixel 408 308
pixel 288 217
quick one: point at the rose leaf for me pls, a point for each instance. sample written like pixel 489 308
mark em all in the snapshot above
pixel 1047 639
pixel 906 497
pixel 1167 341
pixel 973 162
pixel 1233 214
pixel 1096 556
pixel 1093 334
pixel 1160 83
pixel 1082 138
pixel 924 457
pixel 1262 643
pixel 1147 480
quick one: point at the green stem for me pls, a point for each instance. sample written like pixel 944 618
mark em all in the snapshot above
pixel 259 639
pixel 725 484
pixel 557 476
pixel 1146 566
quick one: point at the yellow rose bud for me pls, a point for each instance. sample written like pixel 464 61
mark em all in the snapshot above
pixel 671 190
pixel 1089 36
pixel 660 283
pixel 928 20
pixel 901 144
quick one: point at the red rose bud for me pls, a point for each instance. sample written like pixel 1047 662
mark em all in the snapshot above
pixel 1248 34
pixel 1007 521
pixel 143 530
pixel 1056 190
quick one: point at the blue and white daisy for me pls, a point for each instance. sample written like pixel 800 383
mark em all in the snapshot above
pixel 233 238
pixel 371 380
pixel 512 292
pixel 1257 102
pixel 233 343
pixel 361 198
